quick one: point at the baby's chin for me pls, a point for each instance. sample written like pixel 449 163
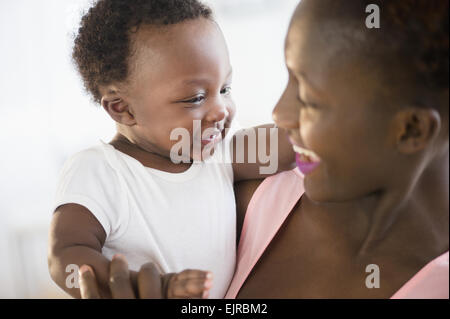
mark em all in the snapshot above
pixel 207 152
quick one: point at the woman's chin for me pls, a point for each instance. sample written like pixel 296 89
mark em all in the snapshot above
pixel 328 192
pixel 318 193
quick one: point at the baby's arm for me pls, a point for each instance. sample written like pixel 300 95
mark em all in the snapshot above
pixel 76 237
pixel 277 155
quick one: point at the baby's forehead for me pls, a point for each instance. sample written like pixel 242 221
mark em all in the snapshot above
pixel 191 39
pixel 162 36
pixel 177 51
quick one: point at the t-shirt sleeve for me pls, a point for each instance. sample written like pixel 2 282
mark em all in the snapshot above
pixel 88 179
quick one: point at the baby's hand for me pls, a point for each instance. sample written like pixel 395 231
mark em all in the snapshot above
pixel 148 283
pixel 189 284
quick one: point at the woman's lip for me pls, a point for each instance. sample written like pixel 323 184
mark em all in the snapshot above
pixel 291 140
pixel 313 158
pixel 305 167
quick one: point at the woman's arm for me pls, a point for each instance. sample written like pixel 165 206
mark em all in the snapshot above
pixel 261 151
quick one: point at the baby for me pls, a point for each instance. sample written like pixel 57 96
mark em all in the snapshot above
pixel 161 70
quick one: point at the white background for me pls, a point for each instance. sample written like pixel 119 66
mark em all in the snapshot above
pixel 46 116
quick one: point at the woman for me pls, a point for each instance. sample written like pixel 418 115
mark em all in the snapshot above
pixel 371 116
pixel 367 113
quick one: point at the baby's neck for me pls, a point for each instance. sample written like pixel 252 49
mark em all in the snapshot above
pixel 147 157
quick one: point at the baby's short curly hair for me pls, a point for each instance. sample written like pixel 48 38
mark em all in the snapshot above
pixel 102 46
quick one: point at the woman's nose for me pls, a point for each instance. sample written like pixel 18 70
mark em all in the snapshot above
pixel 286 113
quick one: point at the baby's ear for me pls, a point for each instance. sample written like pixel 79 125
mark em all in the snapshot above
pixel 116 106
pixel 416 128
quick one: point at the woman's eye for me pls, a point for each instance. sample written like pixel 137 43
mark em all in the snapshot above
pixel 305 104
pixel 226 90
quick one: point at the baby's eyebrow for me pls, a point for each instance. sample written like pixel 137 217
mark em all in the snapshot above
pixel 200 81
pixel 195 82
pixel 230 72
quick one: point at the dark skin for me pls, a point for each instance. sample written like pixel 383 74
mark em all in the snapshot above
pixel 82 246
pixel 190 81
pixel 380 193
pixel 149 283
pixel 379 196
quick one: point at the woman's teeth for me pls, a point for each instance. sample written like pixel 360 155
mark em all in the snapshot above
pixel 304 158
pixel 306 155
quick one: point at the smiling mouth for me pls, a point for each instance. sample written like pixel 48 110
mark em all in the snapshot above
pixel 213 138
pixel 306 156
pixel 306 160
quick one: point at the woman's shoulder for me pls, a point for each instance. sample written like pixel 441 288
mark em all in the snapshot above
pixel 244 191
pixel 269 190
pixel 431 282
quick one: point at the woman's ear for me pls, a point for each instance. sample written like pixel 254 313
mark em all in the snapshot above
pixel 117 107
pixel 416 128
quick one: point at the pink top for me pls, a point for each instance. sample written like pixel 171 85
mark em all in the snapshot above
pixel 268 210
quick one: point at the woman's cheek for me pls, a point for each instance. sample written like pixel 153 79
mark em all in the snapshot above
pixel 310 130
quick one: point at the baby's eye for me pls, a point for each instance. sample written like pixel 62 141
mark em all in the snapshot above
pixel 195 100
pixel 226 90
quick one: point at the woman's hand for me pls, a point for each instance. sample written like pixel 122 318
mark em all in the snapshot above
pixel 148 283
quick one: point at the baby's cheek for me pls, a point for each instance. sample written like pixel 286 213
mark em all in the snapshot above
pixel 231 110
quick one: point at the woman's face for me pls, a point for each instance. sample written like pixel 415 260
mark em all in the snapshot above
pixel 341 134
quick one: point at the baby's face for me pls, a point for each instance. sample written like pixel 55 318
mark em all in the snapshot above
pixel 179 74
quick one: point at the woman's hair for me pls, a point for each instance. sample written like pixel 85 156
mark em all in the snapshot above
pixel 413 39
pixel 421 28
pixel 102 47
pixel 409 50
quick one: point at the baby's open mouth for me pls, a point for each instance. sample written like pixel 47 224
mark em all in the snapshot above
pixel 212 137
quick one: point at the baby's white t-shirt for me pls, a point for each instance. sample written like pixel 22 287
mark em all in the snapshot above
pixel 178 221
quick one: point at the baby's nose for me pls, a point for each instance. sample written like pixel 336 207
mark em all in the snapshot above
pixel 217 113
